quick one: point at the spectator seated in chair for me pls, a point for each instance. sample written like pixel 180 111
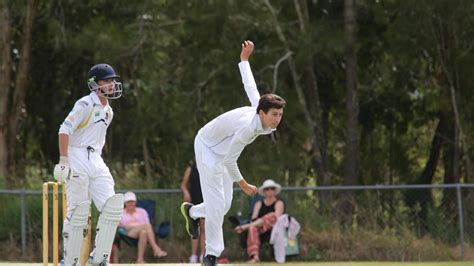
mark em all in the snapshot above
pixel 264 215
pixel 135 226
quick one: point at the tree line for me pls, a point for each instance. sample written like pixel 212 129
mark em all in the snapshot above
pixel 377 91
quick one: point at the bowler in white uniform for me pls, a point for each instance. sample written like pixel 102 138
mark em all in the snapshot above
pixel 218 146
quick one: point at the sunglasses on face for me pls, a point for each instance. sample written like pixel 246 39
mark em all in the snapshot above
pixel 269 188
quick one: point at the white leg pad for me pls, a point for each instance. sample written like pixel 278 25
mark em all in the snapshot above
pixel 77 230
pixel 106 228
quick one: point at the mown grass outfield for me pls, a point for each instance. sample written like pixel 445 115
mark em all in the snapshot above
pixel 300 264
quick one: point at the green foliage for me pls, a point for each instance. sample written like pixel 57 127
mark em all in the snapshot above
pixel 178 64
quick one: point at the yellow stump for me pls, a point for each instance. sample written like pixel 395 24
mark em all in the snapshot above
pixel 87 240
pixel 86 243
pixel 45 224
pixel 56 233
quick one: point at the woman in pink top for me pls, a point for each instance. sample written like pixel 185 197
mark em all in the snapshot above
pixel 137 223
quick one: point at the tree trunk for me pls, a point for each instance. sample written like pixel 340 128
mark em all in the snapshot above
pixel 423 197
pixel 426 176
pixel 348 203
pixel 5 81
pixel 147 160
pixel 449 63
pixel 451 167
pixel 447 46
pixel 311 107
pixel 451 154
pixel 21 84
pixel 352 102
pixel 319 148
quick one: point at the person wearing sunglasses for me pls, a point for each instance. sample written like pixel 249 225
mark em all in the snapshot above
pixel 264 215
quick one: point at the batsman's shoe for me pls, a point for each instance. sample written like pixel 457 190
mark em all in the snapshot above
pixel 209 260
pixel 192 226
pixel 90 261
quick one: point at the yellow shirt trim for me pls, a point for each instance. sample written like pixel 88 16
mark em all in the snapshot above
pixel 83 125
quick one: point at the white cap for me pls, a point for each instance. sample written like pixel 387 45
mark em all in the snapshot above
pixel 130 196
pixel 269 183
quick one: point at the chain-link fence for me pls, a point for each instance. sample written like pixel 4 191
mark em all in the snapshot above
pixel 403 222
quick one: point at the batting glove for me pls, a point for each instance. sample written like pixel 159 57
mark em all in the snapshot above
pixel 62 171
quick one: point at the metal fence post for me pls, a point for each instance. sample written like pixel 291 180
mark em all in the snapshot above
pixel 23 221
pixel 461 219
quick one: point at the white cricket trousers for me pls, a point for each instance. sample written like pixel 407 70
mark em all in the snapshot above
pixel 217 188
pixel 91 179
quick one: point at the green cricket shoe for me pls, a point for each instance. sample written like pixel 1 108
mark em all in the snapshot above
pixel 192 226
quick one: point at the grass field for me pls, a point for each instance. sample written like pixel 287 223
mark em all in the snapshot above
pixel 300 264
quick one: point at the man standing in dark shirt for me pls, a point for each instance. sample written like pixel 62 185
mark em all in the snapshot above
pixel 191 188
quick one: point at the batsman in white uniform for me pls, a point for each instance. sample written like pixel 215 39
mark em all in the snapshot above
pixel 217 147
pixel 81 167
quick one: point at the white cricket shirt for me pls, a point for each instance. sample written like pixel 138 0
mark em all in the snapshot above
pixel 228 134
pixel 87 123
